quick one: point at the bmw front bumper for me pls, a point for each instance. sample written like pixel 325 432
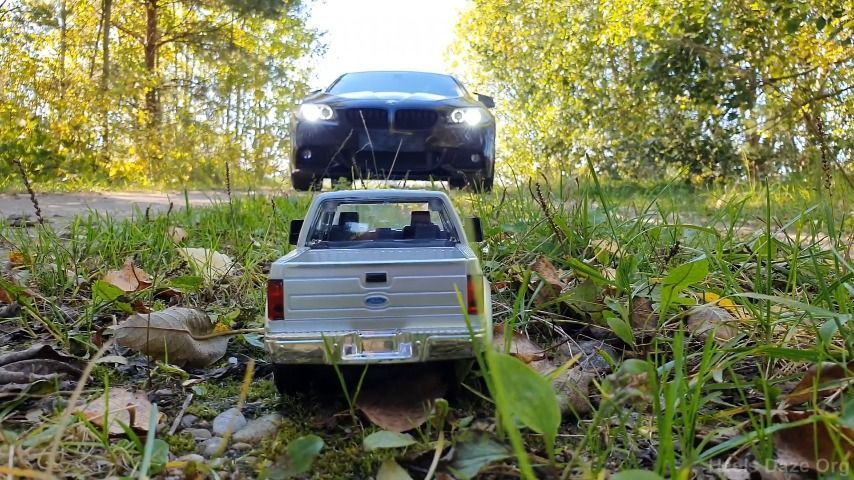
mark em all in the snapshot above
pixel 334 150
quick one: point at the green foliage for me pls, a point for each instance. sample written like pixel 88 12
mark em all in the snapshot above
pixel 681 278
pixel 300 455
pixel 473 452
pixel 385 439
pixel 89 99
pixel 529 397
pixel 720 89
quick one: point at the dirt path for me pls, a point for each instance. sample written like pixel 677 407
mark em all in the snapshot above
pixel 59 208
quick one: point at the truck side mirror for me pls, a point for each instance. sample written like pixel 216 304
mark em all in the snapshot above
pixel 486 100
pixel 476 229
pixel 296 226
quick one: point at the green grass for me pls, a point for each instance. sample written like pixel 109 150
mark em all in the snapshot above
pixel 674 403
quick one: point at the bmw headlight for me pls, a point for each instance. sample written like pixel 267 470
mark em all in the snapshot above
pixel 314 112
pixel 470 116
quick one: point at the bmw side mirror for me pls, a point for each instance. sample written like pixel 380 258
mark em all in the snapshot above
pixel 296 226
pixel 486 100
pixel 475 229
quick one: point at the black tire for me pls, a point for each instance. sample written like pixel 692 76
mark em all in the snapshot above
pixel 457 183
pixel 291 379
pixel 304 183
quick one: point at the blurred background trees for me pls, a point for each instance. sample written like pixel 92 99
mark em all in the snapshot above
pixel 149 91
pixel 161 92
pixel 724 88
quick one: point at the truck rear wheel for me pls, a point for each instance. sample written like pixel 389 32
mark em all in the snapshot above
pixel 291 379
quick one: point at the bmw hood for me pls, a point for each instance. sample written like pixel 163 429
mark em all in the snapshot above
pixel 396 96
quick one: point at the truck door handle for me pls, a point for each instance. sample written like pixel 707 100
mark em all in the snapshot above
pixel 376 277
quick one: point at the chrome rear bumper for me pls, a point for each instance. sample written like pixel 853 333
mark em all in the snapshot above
pixel 364 347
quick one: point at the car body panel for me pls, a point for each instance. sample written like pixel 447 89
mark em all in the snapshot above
pixel 334 314
pixel 392 135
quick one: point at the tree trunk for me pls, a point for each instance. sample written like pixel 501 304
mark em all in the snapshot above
pixel 63 45
pixel 105 57
pixel 152 37
pixel 105 78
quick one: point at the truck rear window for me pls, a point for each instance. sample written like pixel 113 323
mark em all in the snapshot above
pixel 342 224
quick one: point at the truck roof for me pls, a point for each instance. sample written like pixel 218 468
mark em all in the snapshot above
pixel 384 194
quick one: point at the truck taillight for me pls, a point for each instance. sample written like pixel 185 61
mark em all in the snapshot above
pixel 472 295
pixel 275 300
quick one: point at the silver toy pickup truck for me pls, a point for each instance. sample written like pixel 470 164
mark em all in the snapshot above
pixel 374 278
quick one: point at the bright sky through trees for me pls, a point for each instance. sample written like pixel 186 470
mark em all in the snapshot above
pixel 383 34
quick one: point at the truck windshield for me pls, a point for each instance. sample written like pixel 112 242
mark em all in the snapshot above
pixel 343 224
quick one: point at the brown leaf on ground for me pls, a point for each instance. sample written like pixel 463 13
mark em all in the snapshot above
pixel 813 445
pixel 7 296
pixel 16 258
pixel 549 274
pixel 520 347
pixel 643 319
pixel 704 319
pixel 573 390
pixel 19 371
pixel 401 403
pixel 179 335
pixel 130 408
pixel 129 278
pixel 829 375
pixel 177 234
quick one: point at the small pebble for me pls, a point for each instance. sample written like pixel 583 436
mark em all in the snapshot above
pixel 241 447
pixel 165 392
pixel 188 420
pixel 191 457
pixel 211 446
pixel 258 429
pixel 199 433
pixel 230 419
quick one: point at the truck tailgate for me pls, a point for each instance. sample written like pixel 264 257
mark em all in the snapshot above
pixel 373 289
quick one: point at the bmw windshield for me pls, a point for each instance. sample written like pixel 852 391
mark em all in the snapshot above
pixel 402 82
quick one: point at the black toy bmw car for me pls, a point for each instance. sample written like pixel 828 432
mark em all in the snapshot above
pixel 394 126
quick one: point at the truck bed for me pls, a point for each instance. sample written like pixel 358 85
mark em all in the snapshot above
pixel 372 289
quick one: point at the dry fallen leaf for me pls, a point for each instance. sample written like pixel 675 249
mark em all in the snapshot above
pixel 829 376
pixel 643 319
pixel 604 249
pixel 573 390
pixel 16 258
pixel 520 347
pixel 402 403
pixel 704 319
pixel 209 264
pixel 813 445
pixel 550 275
pixel 7 296
pixel 737 310
pixel 176 334
pixel 177 234
pixel 130 278
pixel 19 371
pixel 130 408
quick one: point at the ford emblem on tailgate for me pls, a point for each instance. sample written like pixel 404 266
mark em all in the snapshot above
pixel 376 301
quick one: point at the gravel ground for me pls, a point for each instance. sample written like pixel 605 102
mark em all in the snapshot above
pixel 59 208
